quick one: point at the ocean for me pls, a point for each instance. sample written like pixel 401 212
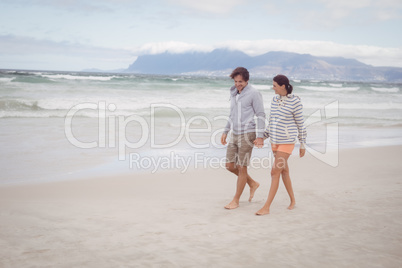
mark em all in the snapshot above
pixel 63 125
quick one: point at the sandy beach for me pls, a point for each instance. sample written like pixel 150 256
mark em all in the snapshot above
pixel 345 216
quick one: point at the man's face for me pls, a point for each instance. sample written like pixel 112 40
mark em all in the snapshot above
pixel 240 83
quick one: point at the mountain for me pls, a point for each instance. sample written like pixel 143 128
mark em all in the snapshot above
pixel 167 63
pixel 297 66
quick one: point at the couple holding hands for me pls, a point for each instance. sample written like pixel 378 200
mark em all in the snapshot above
pixel 285 126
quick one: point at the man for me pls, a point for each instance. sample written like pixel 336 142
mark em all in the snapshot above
pixel 246 102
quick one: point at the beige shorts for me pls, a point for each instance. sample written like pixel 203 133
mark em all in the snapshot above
pixel 240 148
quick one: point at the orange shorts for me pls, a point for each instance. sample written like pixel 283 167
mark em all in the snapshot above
pixel 285 148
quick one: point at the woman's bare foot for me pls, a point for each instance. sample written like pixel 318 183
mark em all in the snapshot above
pixel 232 205
pixel 292 205
pixel 262 211
pixel 252 190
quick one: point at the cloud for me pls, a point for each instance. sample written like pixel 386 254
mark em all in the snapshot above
pixel 373 55
pixel 104 6
pixel 171 47
pixel 330 14
pixel 16 50
pixel 10 44
pixel 79 56
pixel 209 6
pixel 372 10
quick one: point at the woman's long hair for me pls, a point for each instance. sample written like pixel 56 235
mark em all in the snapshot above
pixel 281 79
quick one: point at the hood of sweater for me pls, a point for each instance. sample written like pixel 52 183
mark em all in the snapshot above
pixel 289 96
pixel 233 90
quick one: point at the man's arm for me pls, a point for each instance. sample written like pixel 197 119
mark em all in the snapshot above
pixel 223 138
pixel 258 106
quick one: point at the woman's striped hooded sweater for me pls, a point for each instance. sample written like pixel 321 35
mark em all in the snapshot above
pixel 286 121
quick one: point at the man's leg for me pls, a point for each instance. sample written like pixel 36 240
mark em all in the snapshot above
pixel 241 183
pixel 244 150
pixel 251 183
pixel 245 158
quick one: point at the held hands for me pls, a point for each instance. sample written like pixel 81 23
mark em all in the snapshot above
pixel 259 142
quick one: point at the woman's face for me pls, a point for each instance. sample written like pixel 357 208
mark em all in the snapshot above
pixel 281 90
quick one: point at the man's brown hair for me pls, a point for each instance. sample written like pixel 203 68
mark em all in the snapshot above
pixel 240 71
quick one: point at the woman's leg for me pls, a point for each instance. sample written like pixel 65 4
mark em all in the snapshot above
pixel 279 165
pixel 288 185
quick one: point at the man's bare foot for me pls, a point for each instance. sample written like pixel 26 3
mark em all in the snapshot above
pixel 252 190
pixel 292 205
pixel 262 211
pixel 232 205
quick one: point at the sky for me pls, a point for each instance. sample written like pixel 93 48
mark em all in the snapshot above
pixel 73 35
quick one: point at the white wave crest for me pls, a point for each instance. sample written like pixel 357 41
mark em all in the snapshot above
pixel 6 79
pixel 385 89
pixel 330 89
pixel 260 87
pixel 371 106
pixel 77 77
pixel 335 85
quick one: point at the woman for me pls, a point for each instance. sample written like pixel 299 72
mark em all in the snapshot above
pixel 286 123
